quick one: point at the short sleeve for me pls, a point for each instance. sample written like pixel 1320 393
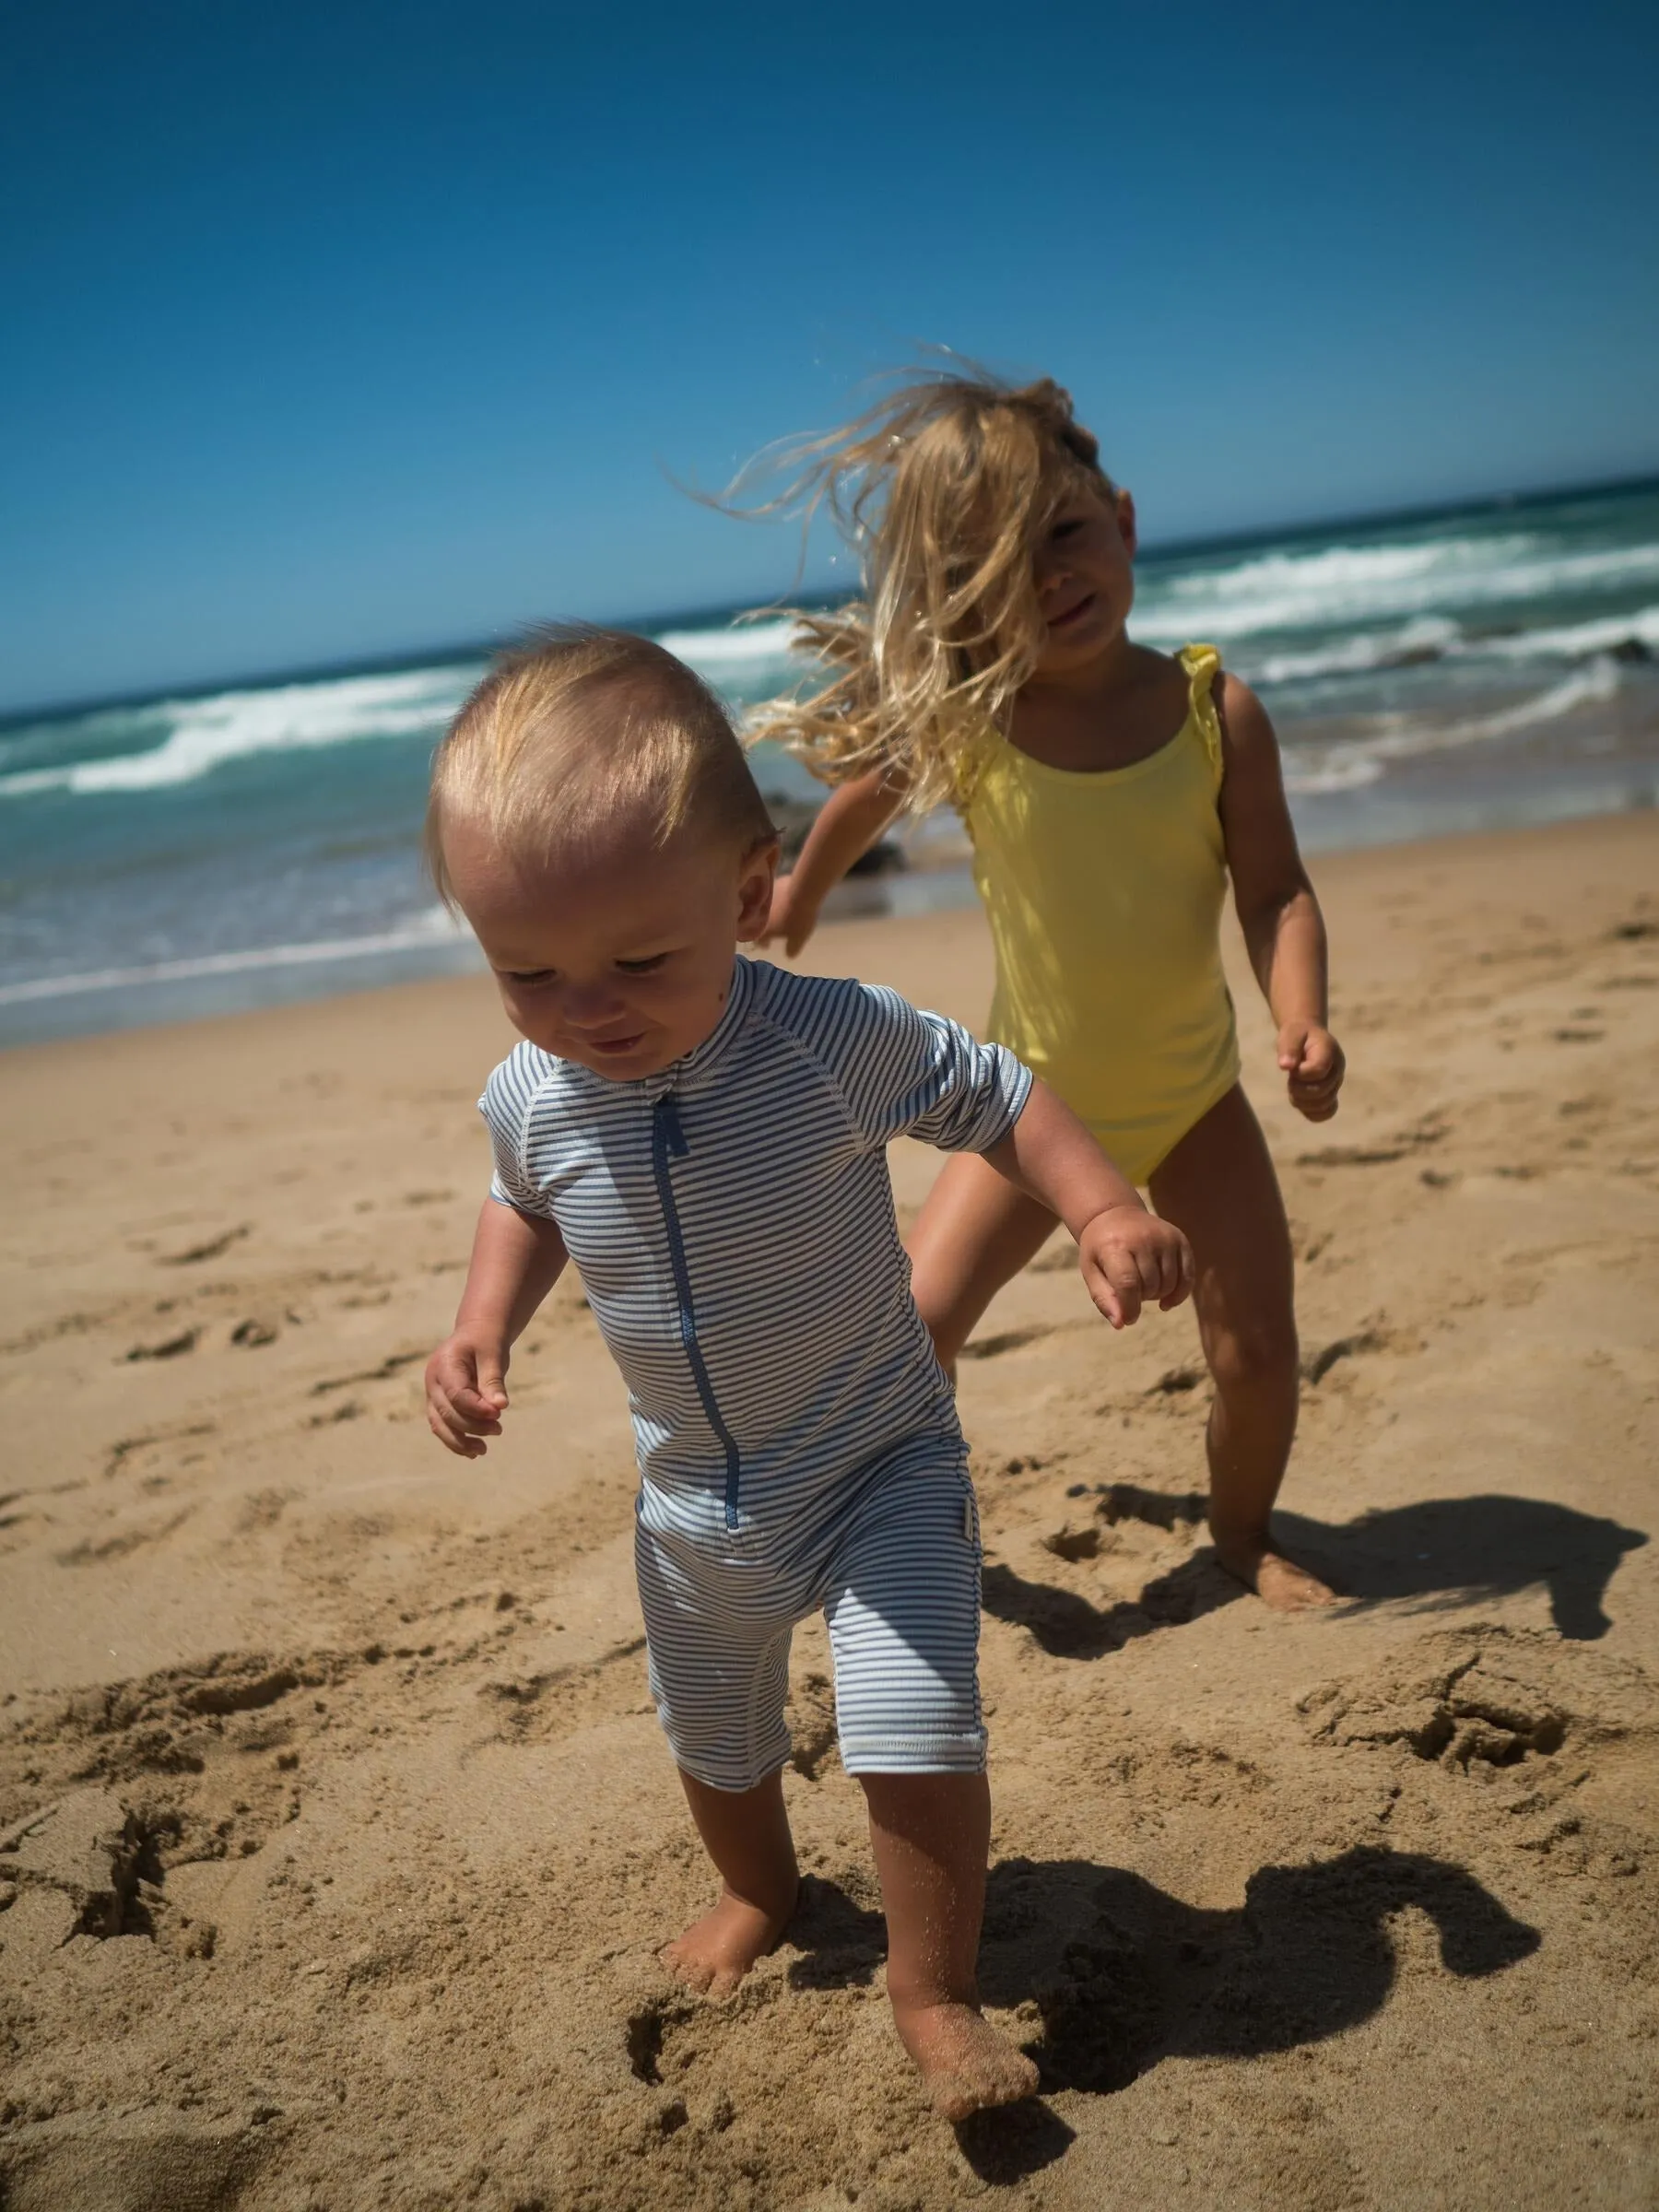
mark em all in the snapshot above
pixel 905 1073
pixel 505 1105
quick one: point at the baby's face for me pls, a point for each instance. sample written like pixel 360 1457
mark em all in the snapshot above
pixel 618 955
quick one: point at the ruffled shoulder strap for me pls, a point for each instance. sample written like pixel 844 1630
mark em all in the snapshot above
pixel 1203 665
pixel 968 763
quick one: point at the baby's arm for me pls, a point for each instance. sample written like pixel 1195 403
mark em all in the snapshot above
pixel 850 820
pixel 1126 1253
pixel 1278 911
pixel 516 1260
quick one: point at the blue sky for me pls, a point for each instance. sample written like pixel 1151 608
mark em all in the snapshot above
pixel 337 330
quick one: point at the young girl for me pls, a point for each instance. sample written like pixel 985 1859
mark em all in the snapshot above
pixel 1108 791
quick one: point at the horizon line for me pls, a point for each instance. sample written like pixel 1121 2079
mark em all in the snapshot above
pixel 434 657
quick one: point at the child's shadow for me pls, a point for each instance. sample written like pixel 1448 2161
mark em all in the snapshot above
pixel 1122 1975
pixel 841 1942
pixel 1444 1552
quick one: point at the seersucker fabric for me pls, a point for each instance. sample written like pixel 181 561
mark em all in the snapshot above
pixel 731 1218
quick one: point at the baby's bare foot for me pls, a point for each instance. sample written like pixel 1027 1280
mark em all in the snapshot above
pixel 966 2065
pixel 715 1952
pixel 1280 1583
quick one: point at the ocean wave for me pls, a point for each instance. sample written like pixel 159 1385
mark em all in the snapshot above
pixel 1435 637
pixel 1355 762
pixel 740 645
pixel 435 927
pixel 205 733
pixel 1576 641
pixel 1347 584
pixel 1427 637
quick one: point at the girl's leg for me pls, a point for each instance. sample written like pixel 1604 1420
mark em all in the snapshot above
pixel 747 1834
pixel 975 1233
pixel 930 1834
pixel 1218 1185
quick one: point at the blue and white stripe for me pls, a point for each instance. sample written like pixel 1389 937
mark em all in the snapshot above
pixel 732 1221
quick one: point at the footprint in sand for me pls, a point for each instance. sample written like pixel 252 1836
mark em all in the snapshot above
pixel 214 1248
pixel 1010 1340
pixel 167 1347
pixel 1317 1365
pixel 130 1454
pixel 1073 1544
pixel 393 1364
pixel 96 1552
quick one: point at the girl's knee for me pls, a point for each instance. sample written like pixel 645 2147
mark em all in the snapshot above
pixel 1265 1352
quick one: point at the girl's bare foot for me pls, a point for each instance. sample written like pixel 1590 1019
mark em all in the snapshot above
pixel 1280 1583
pixel 966 2065
pixel 715 1952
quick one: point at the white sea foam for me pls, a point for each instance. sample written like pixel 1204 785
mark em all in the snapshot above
pixel 1357 655
pixel 1356 583
pixel 434 927
pixel 203 734
pixel 1355 762
pixel 1358 609
pixel 1573 641
pixel 709 652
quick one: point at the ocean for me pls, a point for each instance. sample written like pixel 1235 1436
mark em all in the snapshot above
pixel 172 857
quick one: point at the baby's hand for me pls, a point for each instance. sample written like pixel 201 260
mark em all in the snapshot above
pixel 1128 1255
pixel 466 1394
pixel 790 918
pixel 1313 1065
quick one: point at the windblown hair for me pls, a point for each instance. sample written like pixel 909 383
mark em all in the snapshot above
pixel 583 728
pixel 943 488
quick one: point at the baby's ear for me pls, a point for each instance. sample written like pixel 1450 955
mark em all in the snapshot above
pixel 760 872
pixel 1127 528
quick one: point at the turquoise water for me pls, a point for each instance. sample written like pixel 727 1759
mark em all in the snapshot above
pixel 179 857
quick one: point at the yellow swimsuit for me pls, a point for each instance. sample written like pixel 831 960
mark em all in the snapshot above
pixel 1104 891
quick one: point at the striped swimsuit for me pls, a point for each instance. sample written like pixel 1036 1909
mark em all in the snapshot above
pixel 733 1222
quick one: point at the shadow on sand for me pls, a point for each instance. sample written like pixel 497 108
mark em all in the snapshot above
pixel 1122 1975
pixel 1445 1552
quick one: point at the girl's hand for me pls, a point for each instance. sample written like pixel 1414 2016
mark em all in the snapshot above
pixel 465 1393
pixel 1128 1255
pixel 1313 1065
pixel 793 917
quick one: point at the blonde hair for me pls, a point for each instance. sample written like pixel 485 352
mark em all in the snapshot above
pixel 944 487
pixel 580 727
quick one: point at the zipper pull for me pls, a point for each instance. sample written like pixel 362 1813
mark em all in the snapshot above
pixel 668 1111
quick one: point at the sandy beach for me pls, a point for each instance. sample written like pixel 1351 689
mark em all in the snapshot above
pixel 337 1837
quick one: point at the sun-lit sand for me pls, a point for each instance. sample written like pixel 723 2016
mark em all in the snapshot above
pixel 337 1839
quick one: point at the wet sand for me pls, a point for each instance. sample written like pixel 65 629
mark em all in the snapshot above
pixel 337 1837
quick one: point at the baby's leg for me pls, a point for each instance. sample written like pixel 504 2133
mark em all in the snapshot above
pixel 747 1834
pixel 975 1233
pixel 903 1613
pixel 930 1834
pixel 718 1655
pixel 1218 1185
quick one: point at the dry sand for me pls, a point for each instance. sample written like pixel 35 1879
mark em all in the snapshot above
pixel 339 1836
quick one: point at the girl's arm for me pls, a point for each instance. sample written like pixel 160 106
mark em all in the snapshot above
pixel 1126 1253
pixel 516 1260
pixel 849 822
pixel 1284 930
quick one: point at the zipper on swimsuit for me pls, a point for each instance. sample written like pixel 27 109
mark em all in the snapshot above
pixel 668 1142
